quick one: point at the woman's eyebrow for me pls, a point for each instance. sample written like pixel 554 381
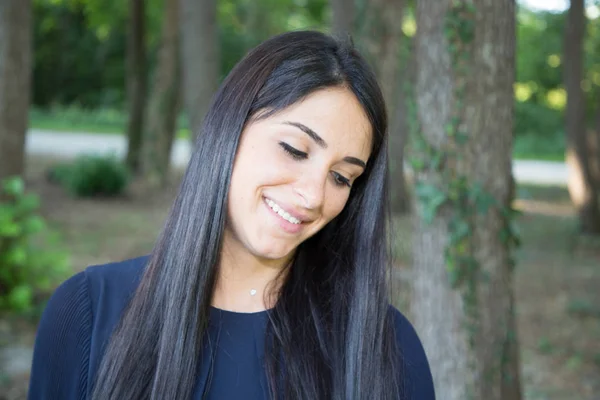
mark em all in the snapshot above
pixel 313 135
pixel 319 140
pixel 356 161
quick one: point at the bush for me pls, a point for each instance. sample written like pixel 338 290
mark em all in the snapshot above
pixel 31 263
pixel 59 173
pixel 92 176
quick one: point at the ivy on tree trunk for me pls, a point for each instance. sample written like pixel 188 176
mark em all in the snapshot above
pixel 463 228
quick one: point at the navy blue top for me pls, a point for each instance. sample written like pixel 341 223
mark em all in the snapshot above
pixel 84 310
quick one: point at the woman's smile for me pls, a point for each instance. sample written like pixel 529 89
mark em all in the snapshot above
pixel 288 220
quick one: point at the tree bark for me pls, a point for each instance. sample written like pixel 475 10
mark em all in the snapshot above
pixel 594 138
pixel 581 185
pixel 164 102
pixel 201 58
pixel 136 82
pixel 399 132
pixel 468 330
pixel 342 17
pixel 15 83
pixel 382 40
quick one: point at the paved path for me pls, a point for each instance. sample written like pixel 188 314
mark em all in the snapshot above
pixel 69 145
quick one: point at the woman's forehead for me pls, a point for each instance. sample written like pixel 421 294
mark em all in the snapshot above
pixel 335 115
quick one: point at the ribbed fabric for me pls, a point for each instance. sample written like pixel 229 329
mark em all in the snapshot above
pixel 61 353
pixel 84 310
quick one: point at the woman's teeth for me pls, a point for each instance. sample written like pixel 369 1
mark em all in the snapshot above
pixel 275 207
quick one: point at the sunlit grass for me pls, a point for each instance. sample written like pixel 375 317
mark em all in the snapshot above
pixel 78 120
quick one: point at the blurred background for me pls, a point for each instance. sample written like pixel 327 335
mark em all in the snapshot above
pixel 95 133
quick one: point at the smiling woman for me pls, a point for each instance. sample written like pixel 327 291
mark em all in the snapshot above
pixel 288 182
pixel 269 280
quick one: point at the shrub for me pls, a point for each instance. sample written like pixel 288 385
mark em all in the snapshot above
pixel 92 175
pixel 31 263
pixel 59 173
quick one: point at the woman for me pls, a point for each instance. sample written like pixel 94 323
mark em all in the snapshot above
pixel 269 278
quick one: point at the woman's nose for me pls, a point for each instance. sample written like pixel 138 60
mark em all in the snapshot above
pixel 311 189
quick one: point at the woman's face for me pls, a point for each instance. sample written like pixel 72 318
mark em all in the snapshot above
pixel 293 172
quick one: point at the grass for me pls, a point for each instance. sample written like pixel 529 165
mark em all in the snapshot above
pixel 534 147
pixel 77 120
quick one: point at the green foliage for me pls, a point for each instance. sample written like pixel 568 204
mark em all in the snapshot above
pixel 101 120
pixel 92 175
pixel 30 262
pixel 539 131
pixel 80 45
pixel 76 118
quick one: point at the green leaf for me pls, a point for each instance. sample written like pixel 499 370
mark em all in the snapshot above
pixel 17 256
pixel 460 230
pixel 417 164
pixel 461 138
pixel 13 186
pixel 431 198
pixel 33 224
pixel 28 203
pixel 454 276
pixel 10 230
pixel 20 298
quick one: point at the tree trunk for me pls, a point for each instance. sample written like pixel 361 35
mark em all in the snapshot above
pixel 400 130
pixel 136 82
pixel 463 292
pixel 201 58
pixel 342 17
pixel 581 185
pixel 594 138
pixel 382 40
pixel 15 83
pixel 164 101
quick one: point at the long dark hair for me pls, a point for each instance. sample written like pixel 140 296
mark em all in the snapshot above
pixel 330 334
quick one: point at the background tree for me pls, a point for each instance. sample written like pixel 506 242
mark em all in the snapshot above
pixel 15 83
pixel 383 42
pixel 164 101
pixel 594 139
pixel 201 57
pixel 462 290
pixel 342 17
pixel 136 81
pixel 582 188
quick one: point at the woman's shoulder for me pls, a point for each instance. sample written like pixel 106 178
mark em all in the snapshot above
pixel 97 285
pixel 79 314
pixel 115 282
pixel 418 380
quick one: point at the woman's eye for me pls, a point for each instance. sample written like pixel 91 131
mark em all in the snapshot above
pixel 295 153
pixel 340 180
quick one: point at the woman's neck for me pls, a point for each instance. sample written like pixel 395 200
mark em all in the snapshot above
pixel 246 283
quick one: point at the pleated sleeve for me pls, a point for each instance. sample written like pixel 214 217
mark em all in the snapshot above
pixel 62 346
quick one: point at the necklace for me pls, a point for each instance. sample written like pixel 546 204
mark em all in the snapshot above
pixel 252 292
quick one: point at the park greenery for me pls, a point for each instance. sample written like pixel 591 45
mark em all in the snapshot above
pixel 32 262
pixel 79 73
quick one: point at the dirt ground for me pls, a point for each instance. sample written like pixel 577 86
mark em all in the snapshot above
pixel 557 278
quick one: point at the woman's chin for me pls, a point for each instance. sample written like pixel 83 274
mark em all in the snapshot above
pixel 273 254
